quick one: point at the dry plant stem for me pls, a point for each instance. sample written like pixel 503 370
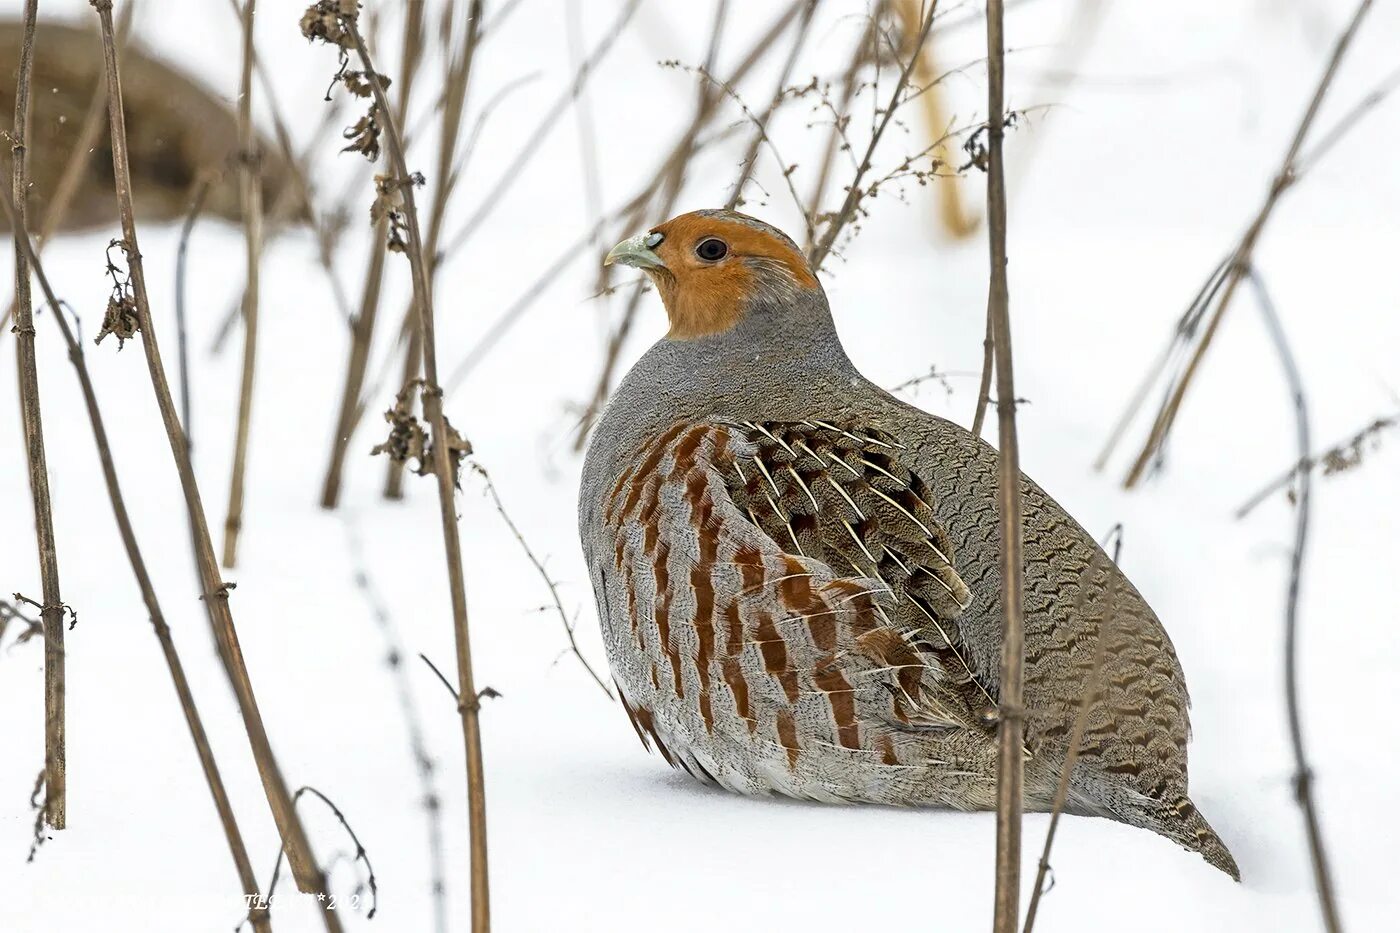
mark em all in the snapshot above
pixel 250 203
pixel 1302 774
pixel 457 81
pixel 308 876
pixel 469 705
pixel 544 575
pixel 363 324
pixel 258 916
pixel 361 339
pixel 1012 716
pixel 1076 735
pixel 952 213
pixel 78 160
pixel 182 350
pixel 55 751
pixel 824 245
pixel 1243 255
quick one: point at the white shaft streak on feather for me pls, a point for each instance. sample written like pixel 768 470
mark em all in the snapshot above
pixel 771 436
pixel 844 495
pixel 769 476
pixel 805 488
pixel 954 648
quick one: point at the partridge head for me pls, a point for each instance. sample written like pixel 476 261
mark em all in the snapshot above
pixel 798 575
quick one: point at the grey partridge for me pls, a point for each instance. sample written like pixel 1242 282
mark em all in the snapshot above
pixel 798 575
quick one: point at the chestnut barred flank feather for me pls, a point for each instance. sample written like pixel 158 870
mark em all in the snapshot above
pixel 799 576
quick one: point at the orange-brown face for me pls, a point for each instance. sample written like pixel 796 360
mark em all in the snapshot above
pixel 708 267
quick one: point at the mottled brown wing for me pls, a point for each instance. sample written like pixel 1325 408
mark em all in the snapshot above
pixel 841 494
pixel 788 582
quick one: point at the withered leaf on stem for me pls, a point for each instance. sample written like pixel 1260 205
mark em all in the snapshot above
pixel 121 320
pixel 408 440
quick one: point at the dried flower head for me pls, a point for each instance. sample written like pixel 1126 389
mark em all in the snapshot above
pixel 326 21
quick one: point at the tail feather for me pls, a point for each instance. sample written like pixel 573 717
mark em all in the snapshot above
pixel 1186 826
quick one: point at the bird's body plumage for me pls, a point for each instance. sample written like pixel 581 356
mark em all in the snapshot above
pixel 798 578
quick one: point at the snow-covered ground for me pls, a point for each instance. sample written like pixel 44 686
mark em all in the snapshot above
pixel 1139 180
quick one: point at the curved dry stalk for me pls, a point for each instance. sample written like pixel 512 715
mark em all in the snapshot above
pixel 1011 718
pixel 257 916
pixel 182 350
pixel 1302 771
pixel 1242 257
pixel 469 705
pixel 55 779
pixel 215 592
pixel 250 201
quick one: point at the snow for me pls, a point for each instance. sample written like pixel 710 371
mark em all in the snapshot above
pixel 1135 186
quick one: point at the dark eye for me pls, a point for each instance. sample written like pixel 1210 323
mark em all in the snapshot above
pixel 711 249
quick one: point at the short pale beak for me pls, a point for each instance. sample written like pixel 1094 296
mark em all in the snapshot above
pixel 634 252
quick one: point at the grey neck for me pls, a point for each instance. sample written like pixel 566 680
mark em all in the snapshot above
pixel 781 361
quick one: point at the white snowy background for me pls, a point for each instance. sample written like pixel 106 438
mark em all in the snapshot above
pixel 1134 186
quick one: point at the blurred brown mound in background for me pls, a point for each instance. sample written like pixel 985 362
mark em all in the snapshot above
pixel 178 130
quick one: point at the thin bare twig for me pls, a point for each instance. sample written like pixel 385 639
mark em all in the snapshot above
pixel 215 592
pixel 361 855
pixel 1011 720
pixel 837 140
pixel 1241 258
pixel 544 575
pixel 1338 458
pixel 824 245
pixel 55 779
pixel 515 168
pixel 257 916
pixel 760 136
pixel 250 201
pixel 1302 772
